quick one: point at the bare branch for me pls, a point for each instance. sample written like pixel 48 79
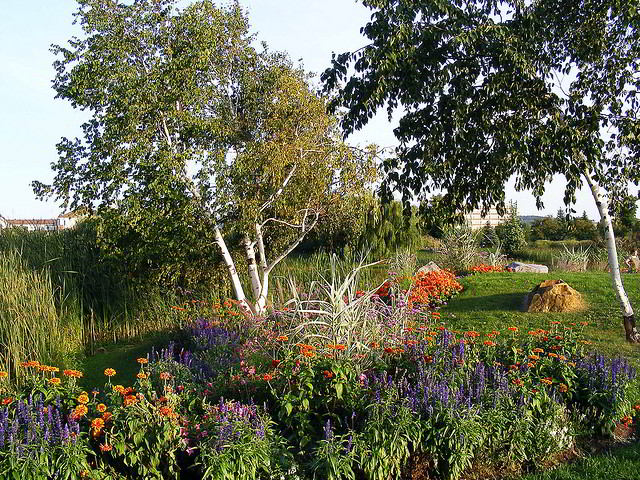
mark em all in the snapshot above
pixel 297 241
pixel 280 190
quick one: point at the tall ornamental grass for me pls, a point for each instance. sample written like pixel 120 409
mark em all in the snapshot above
pixel 31 327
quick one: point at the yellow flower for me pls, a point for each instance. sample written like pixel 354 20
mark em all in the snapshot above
pixel 101 407
pixel 83 398
pixel 142 360
pixel 109 372
pixel 119 389
pixel 4 374
pixel 141 375
pixel 54 380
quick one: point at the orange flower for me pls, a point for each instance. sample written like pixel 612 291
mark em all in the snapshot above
pixel 105 447
pixel 584 324
pixel 73 373
pixel 165 376
pixel 472 334
pixel 101 407
pixel 428 359
pixel 636 407
pixel 4 374
pixel 55 381
pixel 142 360
pixel 513 329
pixel 563 388
pixel 7 400
pixel 531 364
pixel 374 344
pixel 118 389
pixel 30 364
pixel 534 357
pixel 275 363
pixel 517 382
pixel 83 398
pixel 109 372
pixel 282 338
pixel 537 350
pixel 267 377
pixel 489 343
pixel 97 423
pixel 327 374
pixel 547 380
pixel 141 375
pixel 80 411
pixel 130 400
pixel 106 416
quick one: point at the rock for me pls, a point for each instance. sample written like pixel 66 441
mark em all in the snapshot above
pixel 429 267
pixel 527 267
pixel 554 296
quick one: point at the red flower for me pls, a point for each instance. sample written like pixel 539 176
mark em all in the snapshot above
pixel 327 374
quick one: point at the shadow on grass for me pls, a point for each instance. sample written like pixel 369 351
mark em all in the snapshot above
pixel 504 301
pixel 121 357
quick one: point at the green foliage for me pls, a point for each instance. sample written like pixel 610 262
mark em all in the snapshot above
pixel 192 131
pixel 490 90
pixel 387 229
pixel 511 233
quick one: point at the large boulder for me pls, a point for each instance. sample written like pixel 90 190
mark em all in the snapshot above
pixel 554 296
pixel 527 267
pixel 429 267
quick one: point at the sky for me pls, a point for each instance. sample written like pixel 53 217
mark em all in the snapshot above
pixel 32 121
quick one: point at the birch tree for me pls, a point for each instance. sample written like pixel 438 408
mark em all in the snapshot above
pixel 188 119
pixel 495 89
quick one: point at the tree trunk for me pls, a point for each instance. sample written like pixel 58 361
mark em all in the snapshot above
pixel 238 291
pixel 628 318
pixel 252 267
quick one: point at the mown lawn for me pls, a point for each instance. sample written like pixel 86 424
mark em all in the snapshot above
pixel 494 301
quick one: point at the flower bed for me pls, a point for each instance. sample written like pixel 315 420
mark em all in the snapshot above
pixel 247 398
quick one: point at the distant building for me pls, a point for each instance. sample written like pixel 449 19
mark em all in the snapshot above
pixel 64 221
pixel 32 224
pixel 476 221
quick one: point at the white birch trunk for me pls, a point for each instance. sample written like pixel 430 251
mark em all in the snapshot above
pixel 252 267
pixel 238 291
pixel 627 310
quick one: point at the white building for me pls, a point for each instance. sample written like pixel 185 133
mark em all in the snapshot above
pixel 476 221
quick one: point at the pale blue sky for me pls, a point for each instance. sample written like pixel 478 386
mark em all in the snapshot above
pixel 32 121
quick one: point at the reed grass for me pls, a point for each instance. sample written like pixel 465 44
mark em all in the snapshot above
pixel 31 325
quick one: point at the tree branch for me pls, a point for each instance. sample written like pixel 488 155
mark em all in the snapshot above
pixel 280 190
pixel 297 241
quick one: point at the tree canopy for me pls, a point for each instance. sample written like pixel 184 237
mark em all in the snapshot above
pixel 193 129
pixel 498 88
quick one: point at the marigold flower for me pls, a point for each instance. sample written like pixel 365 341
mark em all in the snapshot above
pixel 167 412
pixel 109 372
pixel 552 355
pixel 636 407
pixel 83 398
pixel 80 411
pixel 537 350
pixel 534 357
pixel 547 380
pixel 489 343
pixel 106 416
pixel 7 400
pixel 513 329
pixel 472 334
pixel 308 353
pixel 142 360
pixel 101 407
pixel 97 423
pixel 563 388
pixel 267 377
pixel 118 389
pixel 428 359
pixel 73 373
pixel 531 364
pixel 55 380
pixel 374 344
pixel 517 382
pixel 327 374
pixel 282 338
pixel 141 375
pixel 165 376
pixel 584 324
pixel 30 364
pixel 4 374
pixel 105 447
pixel 130 400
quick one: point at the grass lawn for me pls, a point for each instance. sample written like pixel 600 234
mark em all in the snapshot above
pixel 619 464
pixel 122 358
pixel 493 301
